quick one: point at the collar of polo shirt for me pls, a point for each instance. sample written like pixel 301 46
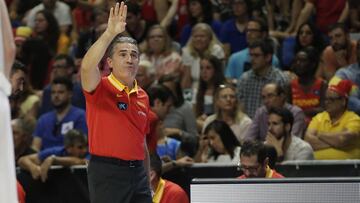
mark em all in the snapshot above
pixel 120 86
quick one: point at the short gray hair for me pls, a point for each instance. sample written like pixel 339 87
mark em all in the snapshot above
pixel 117 40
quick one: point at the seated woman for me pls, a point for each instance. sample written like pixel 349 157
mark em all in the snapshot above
pixel 218 144
pixel 202 42
pixel 228 110
pixel 211 77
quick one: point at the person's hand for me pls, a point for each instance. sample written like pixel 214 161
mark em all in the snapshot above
pixel 168 132
pixel 44 168
pixel 35 172
pixel 166 158
pixel 203 143
pixel 184 161
pixel 117 19
pixel 277 143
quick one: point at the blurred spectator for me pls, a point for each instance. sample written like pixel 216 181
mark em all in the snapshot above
pixel 340 53
pixel 239 62
pixel 23 101
pixel 22 33
pixel 262 72
pixel 63 66
pixel 180 123
pixel 52 126
pixel 325 13
pixel 165 191
pixel 59 9
pixel 352 73
pixel 254 161
pixel 145 75
pixel 227 109
pixel 307 35
pixel 218 144
pixel 222 10
pixel 73 152
pixel 287 145
pixel 160 98
pixel 136 27
pixel 233 31
pixel 354 13
pixel 160 53
pixel 334 133
pixel 307 91
pixel 211 77
pixel 153 10
pixel 200 11
pixel 274 96
pixel 19 8
pixel 202 43
pixel 22 129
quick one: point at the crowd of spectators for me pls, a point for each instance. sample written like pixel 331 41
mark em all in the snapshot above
pixel 220 74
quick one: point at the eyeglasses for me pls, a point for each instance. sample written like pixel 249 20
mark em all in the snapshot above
pixel 251 169
pixel 332 99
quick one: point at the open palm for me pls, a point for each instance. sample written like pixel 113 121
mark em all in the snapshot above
pixel 117 19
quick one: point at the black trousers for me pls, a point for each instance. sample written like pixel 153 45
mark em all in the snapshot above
pixel 116 181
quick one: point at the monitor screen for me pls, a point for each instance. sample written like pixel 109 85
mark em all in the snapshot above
pixel 304 190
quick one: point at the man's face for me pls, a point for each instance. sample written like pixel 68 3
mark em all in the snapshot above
pixel 124 61
pixel 239 8
pixel 60 96
pixel 334 103
pixel 61 69
pixel 259 61
pixel 157 40
pixel 276 126
pixel 301 64
pixel 195 9
pixel 17 81
pixel 338 39
pixel 253 32
pixel 271 98
pixel 251 168
pixel 77 150
pixel 162 108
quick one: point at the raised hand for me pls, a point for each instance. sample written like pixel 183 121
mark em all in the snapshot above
pixel 117 19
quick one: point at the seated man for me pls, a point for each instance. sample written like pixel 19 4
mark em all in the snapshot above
pixel 274 96
pixel 52 126
pixel 288 146
pixel 335 133
pixel 165 191
pixel 254 161
pixel 72 153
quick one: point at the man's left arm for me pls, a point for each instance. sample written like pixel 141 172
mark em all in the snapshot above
pixel 344 14
pixel 299 125
pixel 338 139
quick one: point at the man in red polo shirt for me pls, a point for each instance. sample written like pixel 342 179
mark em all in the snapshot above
pixel 254 161
pixel 117 111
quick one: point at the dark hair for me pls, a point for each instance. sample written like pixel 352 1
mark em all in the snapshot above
pixel 133 8
pixel 74 136
pixel 254 147
pixel 69 60
pixel 313 56
pixel 159 92
pixel 52 32
pixel 178 94
pixel 206 11
pixel 266 45
pixel 286 116
pixel 218 79
pixel 155 163
pixel 227 137
pixel 18 66
pixel 318 41
pixel 263 26
pixel 117 40
pixel 342 26
pixel 64 81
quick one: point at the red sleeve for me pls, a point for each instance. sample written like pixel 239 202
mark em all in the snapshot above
pixel 21 192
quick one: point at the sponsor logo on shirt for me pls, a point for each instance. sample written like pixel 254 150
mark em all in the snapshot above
pixel 122 106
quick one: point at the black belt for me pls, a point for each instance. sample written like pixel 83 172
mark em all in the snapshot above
pixel 120 162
